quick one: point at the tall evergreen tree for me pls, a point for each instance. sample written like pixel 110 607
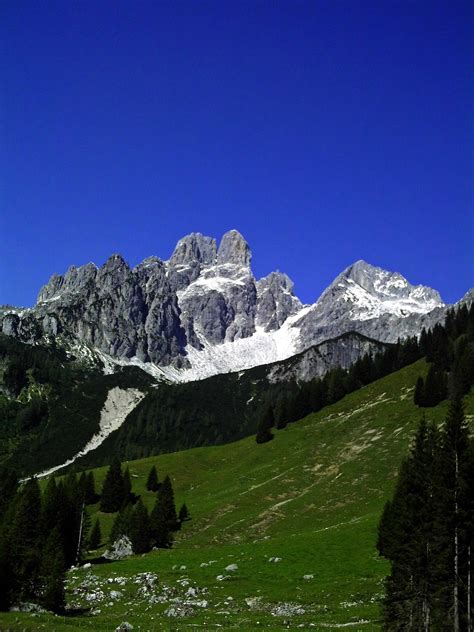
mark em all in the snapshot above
pixel 53 573
pixel 454 524
pixel 435 390
pixel 127 487
pixel 121 525
pixel 25 540
pixel 113 491
pixel 183 514
pixel 419 395
pixel 163 516
pixel 95 537
pixel 140 528
pixel 408 600
pixel 152 483
pixel 90 495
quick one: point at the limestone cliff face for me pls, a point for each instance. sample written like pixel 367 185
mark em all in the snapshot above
pixel 203 312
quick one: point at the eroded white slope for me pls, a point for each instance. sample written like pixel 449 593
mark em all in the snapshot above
pixel 118 405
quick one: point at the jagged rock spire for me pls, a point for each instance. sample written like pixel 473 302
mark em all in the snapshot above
pixel 234 249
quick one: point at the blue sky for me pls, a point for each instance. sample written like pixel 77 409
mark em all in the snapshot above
pixel 325 131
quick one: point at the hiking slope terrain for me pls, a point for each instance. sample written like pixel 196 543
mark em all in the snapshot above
pixel 311 498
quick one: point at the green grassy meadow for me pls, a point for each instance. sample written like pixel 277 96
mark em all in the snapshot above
pixel 312 497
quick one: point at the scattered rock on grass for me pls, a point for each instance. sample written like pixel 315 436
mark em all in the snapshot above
pixel 179 610
pixel 287 610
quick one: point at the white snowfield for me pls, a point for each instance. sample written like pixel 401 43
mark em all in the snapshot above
pixel 118 405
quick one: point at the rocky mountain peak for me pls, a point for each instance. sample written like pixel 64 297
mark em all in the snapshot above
pixel 115 262
pixel 234 249
pixel 195 247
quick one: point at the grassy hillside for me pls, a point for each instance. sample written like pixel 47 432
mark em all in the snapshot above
pixel 312 497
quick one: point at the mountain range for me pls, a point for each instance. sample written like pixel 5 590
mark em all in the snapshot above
pixel 202 312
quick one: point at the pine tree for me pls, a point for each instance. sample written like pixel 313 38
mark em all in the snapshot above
pixel 265 425
pixel 152 483
pixel 163 516
pixel 161 534
pixel 121 525
pixel 419 395
pixel 435 390
pixel 408 603
pixel 113 492
pixel 53 573
pixel 90 493
pixel 25 540
pixel 127 488
pixel 140 529
pixel 95 536
pixel 454 524
pixel 183 514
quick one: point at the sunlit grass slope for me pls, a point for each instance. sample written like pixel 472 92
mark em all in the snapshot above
pixel 312 497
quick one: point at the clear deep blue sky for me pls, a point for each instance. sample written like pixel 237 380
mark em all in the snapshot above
pixel 325 131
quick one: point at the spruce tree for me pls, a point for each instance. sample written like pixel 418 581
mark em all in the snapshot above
pixel 25 540
pixel 183 514
pixel 90 495
pixel 454 524
pixel 163 516
pixel 95 537
pixel 161 534
pixel 419 395
pixel 140 528
pixel 127 488
pixel 53 573
pixel 121 525
pixel 408 602
pixel 113 492
pixel 152 483
pixel 166 496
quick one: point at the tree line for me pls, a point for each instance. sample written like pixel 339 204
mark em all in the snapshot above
pixel 449 349
pixel 144 529
pixel 426 531
pixel 42 534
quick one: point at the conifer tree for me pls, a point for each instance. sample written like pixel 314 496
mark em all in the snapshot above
pixel 161 534
pixel 419 395
pixel 95 537
pixel 183 514
pixel 152 483
pixel 435 390
pixel 90 493
pixel 53 573
pixel 25 539
pixel 127 487
pixel 163 516
pixel 408 602
pixel 454 525
pixel 121 525
pixel 140 528
pixel 166 496
pixel 113 492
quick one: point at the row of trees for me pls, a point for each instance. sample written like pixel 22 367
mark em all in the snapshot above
pixel 145 530
pixel 426 531
pixel 41 535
